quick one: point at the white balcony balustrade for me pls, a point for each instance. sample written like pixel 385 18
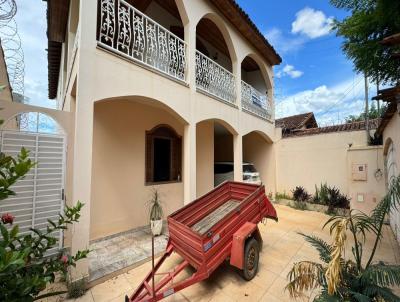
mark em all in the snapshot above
pixel 255 102
pixel 126 31
pixel 214 79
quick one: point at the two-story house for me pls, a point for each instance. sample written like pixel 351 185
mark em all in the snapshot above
pixel 160 91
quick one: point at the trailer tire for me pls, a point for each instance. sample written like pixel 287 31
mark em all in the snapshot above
pixel 251 257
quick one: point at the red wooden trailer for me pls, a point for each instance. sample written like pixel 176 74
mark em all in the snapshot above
pixel 219 225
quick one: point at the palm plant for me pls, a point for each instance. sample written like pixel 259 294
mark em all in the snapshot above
pixel 340 279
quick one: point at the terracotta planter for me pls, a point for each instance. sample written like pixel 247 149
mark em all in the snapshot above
pixel 156 227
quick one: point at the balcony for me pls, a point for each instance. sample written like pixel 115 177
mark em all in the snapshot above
pixel 130 33
pixel 126 31
pixel 214 79
pixel 255 102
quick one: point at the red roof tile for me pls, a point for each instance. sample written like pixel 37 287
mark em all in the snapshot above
pixel 296 121
pixel 354 126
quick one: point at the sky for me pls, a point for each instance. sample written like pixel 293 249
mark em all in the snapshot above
pixel 314 74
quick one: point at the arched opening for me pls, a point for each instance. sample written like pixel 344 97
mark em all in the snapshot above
pixel 255 88
pixel 137 148
pixel 163 155
pixel 39 195
pixel 214 154
pixel 391 172
pixel 391 167
pixel 211 43
pixel 214 61
pixel 35 122
pixel 258 161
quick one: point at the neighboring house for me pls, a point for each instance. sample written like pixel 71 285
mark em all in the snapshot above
pixel 6 92
pixel 159 90
pixel 295 123
pixel 337 155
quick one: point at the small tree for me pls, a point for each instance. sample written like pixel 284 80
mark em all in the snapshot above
pixel 372 114
pixel 25 266
pixel 339 279
pixel 369 23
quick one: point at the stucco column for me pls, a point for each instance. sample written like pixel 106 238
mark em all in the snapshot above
pixel 237 71
pixel 238 157
pixel 190 39
pixel 189 163
pixel 272 101
pixel 83 132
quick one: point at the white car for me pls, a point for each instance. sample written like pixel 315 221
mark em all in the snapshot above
pixel 224 171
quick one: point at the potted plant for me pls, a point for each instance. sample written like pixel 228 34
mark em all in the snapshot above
pixel 156 214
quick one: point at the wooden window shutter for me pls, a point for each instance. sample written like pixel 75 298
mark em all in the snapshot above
pixel 149 157
pixel 176 159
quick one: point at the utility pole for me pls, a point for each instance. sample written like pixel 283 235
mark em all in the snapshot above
pixel 366 108
pixel 377 92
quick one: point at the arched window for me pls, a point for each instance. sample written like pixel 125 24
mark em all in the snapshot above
pixel 163 155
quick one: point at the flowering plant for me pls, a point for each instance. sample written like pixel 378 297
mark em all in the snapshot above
pixel 26 267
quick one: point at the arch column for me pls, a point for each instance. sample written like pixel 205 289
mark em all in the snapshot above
pixel 238 157
pixel 190 38
pixel 237 71
pixel 83 138
pixel 189 163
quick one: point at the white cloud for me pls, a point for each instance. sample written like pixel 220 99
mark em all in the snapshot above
pixel 312 23
pixel 290 71
pixel 282 43
pixel 329 104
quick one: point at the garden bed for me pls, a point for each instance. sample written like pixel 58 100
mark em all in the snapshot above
pixel 308 206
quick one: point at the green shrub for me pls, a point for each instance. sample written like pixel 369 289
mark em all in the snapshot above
pixel 77 289
pixel 331 197
pixel 299 205
pixel 280 196
pixel 321 194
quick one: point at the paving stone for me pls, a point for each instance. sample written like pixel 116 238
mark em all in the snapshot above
pixel 282 247
pixel 119 251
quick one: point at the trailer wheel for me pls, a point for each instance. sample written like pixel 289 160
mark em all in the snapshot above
pixel 251 257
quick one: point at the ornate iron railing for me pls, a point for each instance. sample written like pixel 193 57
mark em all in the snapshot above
pixel 125 30
pixel 214 79
pixel 255 102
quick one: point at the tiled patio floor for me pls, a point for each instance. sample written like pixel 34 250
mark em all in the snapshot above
pixel 111 254
pixel 282 247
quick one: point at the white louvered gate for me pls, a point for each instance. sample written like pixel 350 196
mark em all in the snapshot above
pixel 39 196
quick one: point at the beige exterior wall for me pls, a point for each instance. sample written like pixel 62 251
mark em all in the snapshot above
pixel 223 150
pixel 311 160
pixel 391 134
pixel 5 93
pixel 366 194
pixel 258 151
pixel 205 157
pixel 391 139
pixel 119 194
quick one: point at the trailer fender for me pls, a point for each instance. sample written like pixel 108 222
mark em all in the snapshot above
pixel 248 230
